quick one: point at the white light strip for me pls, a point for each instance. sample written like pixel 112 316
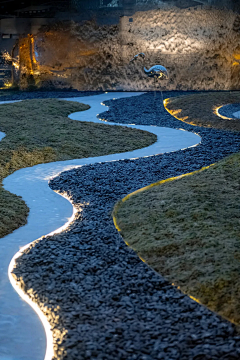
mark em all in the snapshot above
pixel 47 327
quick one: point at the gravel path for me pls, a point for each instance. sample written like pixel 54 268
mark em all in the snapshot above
pixel 102 301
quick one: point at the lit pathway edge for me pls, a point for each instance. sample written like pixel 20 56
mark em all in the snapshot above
pixel 120 202
pixel 49 212
pixel 158 183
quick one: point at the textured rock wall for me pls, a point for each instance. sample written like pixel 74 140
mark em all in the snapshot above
pixel 196 45
pixel 199 46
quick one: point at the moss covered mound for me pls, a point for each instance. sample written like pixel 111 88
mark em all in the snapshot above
pixel 39 131
pixel 201 109
pixel 188 230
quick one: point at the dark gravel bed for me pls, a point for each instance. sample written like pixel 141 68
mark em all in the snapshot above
pixel 44 94
pixel 229 109
pixel 90 283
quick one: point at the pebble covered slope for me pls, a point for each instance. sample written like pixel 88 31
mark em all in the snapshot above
pixel 102 301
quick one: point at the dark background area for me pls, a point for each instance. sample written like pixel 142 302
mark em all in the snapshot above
pixel 35 8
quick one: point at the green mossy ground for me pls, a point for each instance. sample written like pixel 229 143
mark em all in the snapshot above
pixel 199 109
pixel 39 131
pixel 188 230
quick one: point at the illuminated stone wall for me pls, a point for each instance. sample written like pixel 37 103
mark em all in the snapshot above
pixel 199 46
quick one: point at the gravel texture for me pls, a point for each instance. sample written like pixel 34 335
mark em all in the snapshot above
pixel 102 301
pixel 229 109
pixel 44 94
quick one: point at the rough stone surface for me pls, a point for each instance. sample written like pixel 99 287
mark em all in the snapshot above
pixel 199 45
pixel 102 301
pixel 45 94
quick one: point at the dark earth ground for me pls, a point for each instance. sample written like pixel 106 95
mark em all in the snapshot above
pixel 112 305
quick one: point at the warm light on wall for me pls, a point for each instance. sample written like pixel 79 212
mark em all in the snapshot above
pixel 27 63
pixel 7 57
pixel 236 56
pixel 175 42
pixel 33 51
pixel 7 84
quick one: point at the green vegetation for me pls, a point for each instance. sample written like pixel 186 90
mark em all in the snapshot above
pixel 39 131
pixel 189 231
pixel 198 109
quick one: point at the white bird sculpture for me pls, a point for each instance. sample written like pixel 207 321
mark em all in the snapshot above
pixel 156 71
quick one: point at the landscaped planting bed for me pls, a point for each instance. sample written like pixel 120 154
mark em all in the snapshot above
pixel 39 131
pixel 101 300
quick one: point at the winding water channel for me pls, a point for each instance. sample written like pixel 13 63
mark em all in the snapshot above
pixel 22 336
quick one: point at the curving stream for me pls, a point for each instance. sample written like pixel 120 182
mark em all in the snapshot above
pixel 22 337
pixel 2 135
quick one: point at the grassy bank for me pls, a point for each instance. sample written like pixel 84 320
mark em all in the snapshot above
pixel 39 131
pixel 200 109
pixel 188 230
